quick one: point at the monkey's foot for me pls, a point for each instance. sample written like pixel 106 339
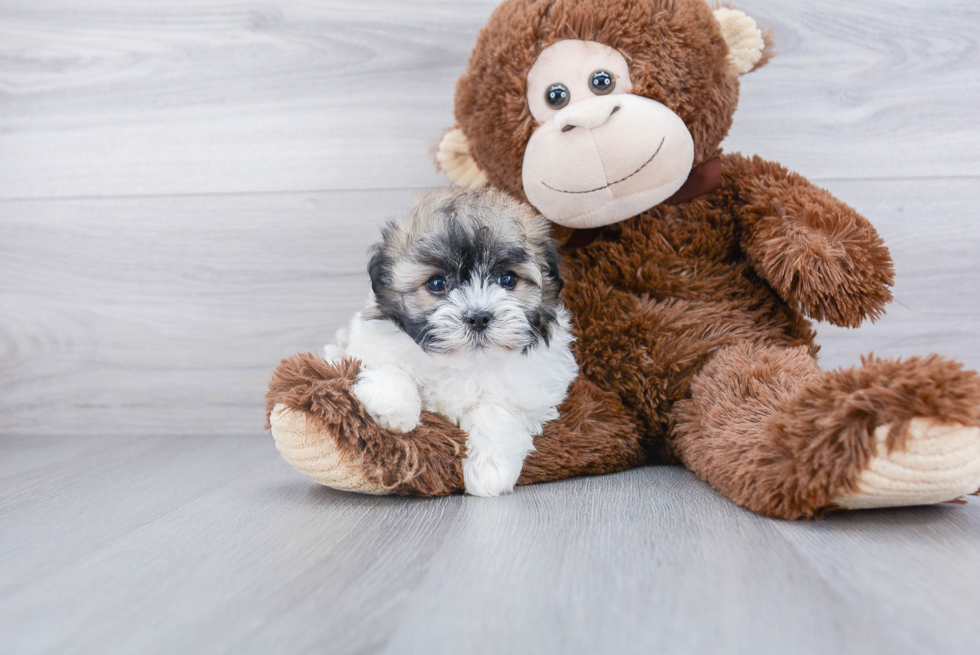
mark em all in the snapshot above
pixel 325 433
pixel 937 462
pixel 313 451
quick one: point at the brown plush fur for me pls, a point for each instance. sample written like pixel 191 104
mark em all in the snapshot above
pixel 424 462
pixel 595 435
pixel 774 434
pixel 675 50
pixel 693 338
pixel 820 255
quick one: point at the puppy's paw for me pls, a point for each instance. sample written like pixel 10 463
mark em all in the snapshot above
pixel 390 397
pixel 490 476
pixel 336 351
pixel 333 353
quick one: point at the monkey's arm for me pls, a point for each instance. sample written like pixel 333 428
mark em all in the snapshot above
pixel 815 251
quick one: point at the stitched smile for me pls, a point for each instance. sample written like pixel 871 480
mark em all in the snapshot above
pixel 617 181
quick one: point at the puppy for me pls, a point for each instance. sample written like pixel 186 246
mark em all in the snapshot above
pixel 465 320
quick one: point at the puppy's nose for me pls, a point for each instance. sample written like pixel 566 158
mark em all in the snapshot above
pixel 478 321
pixel 589 114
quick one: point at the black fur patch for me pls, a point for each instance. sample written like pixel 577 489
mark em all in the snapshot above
pixel 460 254
pixel 553 269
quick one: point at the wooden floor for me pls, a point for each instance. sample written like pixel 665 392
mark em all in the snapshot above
pixel 187 192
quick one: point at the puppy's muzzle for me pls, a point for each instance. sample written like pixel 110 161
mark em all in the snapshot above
pixel 478 321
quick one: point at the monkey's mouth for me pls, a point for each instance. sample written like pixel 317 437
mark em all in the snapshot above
pixel 606 186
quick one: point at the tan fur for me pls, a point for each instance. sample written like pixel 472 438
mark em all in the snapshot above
pixel 503 214
pixel 692 320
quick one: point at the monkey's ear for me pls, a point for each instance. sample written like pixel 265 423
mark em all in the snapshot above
pixel 748 48
pixel 454 158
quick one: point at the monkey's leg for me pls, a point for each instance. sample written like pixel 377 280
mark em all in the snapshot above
pixel 772 432
pixel 324 432
pixel 593 434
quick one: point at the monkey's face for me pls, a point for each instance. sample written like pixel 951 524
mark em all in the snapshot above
pixel 596 111
pixel 600 153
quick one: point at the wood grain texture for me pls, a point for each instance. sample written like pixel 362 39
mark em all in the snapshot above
pixel 187 193
pixel 165 315
pixel 164 261
pixel 161 545
pixel 123 98
pixel 120 98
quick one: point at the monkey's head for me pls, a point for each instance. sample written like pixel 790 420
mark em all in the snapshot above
pixel 596 110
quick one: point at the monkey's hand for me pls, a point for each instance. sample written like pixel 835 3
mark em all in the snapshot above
pixel 390 396
pixel 817 253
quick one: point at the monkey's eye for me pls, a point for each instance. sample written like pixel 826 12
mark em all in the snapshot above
pixel 556 96
pixel 602 83
pixel 508 280
pixel 437 285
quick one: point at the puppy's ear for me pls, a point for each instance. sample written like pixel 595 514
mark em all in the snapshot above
pixel 552 266
pixel 379 269
pixel 380 265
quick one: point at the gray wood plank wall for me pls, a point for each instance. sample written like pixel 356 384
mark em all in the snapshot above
pixel 188 189
pixel 187 192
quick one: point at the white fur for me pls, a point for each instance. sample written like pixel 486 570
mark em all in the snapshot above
pixel 500 397
pixel 509 326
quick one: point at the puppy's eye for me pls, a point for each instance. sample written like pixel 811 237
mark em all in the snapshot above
pixel 437 285
pixel 601 83
pixel 508 280
pixel 557 96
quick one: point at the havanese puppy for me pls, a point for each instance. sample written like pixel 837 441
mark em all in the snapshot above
pixel 466 321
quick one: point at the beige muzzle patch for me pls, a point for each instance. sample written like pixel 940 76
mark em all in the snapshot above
pixel 606 159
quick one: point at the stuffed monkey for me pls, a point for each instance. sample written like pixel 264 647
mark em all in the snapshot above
pixel 691 275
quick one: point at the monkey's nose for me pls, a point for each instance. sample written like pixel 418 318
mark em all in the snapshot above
pixel 589 114
pixel 478 321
